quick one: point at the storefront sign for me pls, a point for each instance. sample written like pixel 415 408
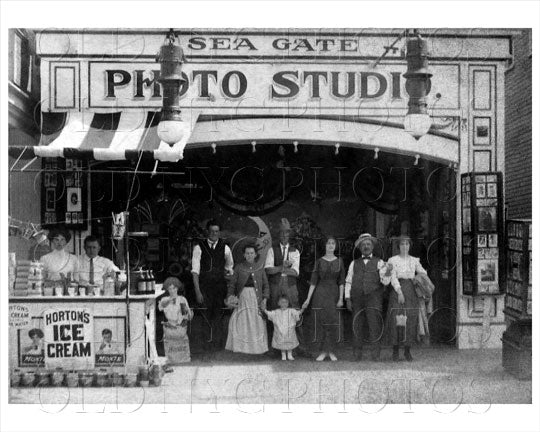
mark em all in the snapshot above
pixel 68 338
pixel 272 86
pixel 19 315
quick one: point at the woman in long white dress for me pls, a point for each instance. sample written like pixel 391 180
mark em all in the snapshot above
pixel 248 292
pixel 403 299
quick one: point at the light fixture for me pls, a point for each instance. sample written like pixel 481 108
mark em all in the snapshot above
pixel 170 58
pixel 417 122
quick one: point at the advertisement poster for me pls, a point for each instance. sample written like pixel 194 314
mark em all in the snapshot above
pixel 109 341
pixel 31 346
pixel 68 337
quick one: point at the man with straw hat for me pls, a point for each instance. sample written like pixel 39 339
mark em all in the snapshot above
pixel 364 296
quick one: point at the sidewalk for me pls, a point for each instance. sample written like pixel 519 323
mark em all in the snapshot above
pixel 436 376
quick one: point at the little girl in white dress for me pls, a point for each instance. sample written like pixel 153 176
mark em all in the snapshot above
pixel 284 319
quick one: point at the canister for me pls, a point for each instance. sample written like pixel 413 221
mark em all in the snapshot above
pixel 28 378
pixel 43 378
pixel 15 378
pixel 57 377
pixel 72 379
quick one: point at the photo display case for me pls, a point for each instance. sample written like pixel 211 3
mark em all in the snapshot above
pixel 482 233
pixel 518 302
pixel 64 193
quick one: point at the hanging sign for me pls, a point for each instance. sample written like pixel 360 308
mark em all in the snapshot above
pixel 69 334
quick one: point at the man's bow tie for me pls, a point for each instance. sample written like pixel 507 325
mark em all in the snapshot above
pixel 366 257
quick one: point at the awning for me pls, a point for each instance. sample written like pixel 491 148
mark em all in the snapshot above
pixel 126 135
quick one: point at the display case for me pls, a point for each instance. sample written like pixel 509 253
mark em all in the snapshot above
pixel 482 233
pixel 518 302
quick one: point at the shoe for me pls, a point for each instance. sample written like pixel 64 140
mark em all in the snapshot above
pixel 167 369
pixel 407 354
pixel 321 357
pixel 283 358
pixel 290 356
pixel 332 356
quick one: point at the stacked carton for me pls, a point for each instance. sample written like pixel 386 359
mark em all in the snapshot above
pixel 28 279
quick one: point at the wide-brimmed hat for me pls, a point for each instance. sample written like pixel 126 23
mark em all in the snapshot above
pixel 363 237
pixel 284 225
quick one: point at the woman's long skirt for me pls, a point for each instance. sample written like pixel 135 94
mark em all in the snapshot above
pixel 408 336
pixel 247 329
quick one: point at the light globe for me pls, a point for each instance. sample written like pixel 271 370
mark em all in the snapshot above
pixel 170 131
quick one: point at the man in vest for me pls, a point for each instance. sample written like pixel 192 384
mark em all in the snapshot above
pixel 211 262
pixel 282 266
pixel 364 296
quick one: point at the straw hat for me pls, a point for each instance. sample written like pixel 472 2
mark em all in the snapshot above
pixel 364 237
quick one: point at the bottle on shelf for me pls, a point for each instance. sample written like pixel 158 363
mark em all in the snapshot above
pixel 150 282
pixel 141 283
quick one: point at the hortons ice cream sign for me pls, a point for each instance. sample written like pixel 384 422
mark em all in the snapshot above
pixel 69 334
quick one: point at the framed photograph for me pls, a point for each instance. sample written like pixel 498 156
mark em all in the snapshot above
pixel 466 219
pixel 69 164
pixel 487 272
pixel 482 131
pixel 47 180
pixel 80 218
pixel 487 218
pixel 50 199
pixel 68 218
pixel 492 240
pixel 492 190
pixel 74 202
pixel 482 241
pixel 480 190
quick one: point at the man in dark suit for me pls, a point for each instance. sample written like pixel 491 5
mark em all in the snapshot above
pixel 364 297
pixel 211 262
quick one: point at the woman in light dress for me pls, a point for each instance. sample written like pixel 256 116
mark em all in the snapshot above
pixel 248 292
pixel 59 263
pixel 403 299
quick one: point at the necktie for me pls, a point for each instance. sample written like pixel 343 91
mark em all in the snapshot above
pixel 91 274
pixel 365 257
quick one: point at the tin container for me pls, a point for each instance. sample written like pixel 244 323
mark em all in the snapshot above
pixel 96 290
pixel 15 378
pixel 143 373
pixel 117 379
pixel 57 377
pixel 59 291
pixel 156 375
pixel 48 291
pixel 82 291
pixel 130 380
pixel 43 378
pixel 28 378
pixel 72 379
pixel 72 291
pixel 86 378
pixel 102 378
pixel 144 383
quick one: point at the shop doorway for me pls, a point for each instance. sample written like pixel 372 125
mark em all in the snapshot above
pixel 320 191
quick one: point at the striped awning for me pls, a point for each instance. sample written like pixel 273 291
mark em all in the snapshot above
pixel 126 135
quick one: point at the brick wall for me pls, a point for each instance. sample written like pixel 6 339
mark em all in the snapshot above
pixel 518 130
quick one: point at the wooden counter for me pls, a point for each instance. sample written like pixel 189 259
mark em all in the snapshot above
pixel 127 348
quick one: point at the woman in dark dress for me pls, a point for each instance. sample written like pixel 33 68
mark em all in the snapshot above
pixel 327 283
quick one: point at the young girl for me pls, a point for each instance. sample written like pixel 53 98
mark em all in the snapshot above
pixel 284 320
pixel 178 313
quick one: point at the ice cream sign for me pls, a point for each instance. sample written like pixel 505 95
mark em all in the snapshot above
pixel 68 338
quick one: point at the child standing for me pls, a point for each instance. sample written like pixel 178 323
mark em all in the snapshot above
pixel 284 319
pixel 178 313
